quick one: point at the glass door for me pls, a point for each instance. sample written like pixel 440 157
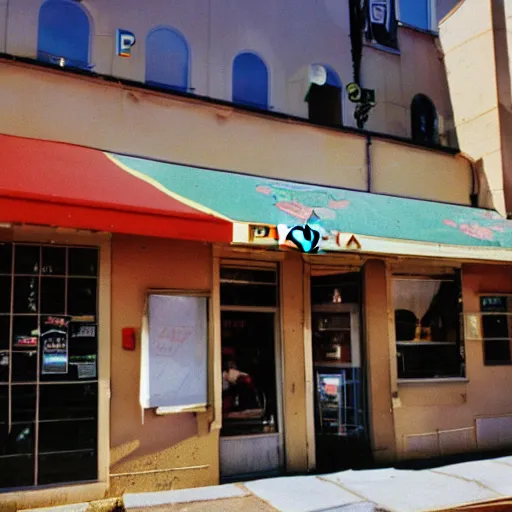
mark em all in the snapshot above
pixel 339 393
pixel 251 435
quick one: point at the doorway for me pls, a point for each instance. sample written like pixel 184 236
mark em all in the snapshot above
pixel 340 405
pixel 251 442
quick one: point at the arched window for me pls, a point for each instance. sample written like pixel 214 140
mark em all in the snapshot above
pixel 64 34
pixel 250 80
pixel 424 120
pixel 167 59
pixel 324 101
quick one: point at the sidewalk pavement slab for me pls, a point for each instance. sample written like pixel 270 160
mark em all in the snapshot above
pixel 77 507
pixel 412 491
pixel 301 494
pixel 153 499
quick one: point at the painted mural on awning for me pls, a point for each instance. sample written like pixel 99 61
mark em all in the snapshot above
pixel 252 199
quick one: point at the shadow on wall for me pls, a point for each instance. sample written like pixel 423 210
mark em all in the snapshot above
pixel 157 435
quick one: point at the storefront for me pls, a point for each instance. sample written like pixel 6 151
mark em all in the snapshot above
pixel 156 335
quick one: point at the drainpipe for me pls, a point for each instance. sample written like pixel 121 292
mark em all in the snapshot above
pixel 475 182
pixel 368 163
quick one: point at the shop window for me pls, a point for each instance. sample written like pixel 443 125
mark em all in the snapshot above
pixel 416 13
pixel 167 59
pixel 64 34
pixel 324 101
pixel 497 329
pixel 424 120
pixel 381 25
pixel 248 287
pixel 427 327
pixel 48 365
pixel 250 81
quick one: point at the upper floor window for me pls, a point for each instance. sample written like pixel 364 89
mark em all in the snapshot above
pixel 64 34
pixel 324 101
pixel 424 120
pixel 167 59
pixel 250 80
pixel 381 23
pixel 417 13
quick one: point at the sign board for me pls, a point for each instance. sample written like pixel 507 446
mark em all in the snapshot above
pixel 54 344
pixel 125 40
pixel 174 352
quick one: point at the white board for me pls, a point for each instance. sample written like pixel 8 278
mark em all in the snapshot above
pixel 174 352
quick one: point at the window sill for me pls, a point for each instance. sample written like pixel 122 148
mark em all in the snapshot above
pixel 420 382
pixel 382 48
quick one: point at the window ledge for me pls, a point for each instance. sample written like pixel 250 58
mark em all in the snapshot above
pixel 446 380
pixel 382 48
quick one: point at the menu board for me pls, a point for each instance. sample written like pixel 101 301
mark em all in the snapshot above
pixel 54 344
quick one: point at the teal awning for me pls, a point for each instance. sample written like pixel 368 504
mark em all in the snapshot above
pixel 249 199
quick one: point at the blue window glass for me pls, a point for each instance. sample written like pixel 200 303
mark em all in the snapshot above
pixel 167 59
pixel 250 80
pixel 415 13
pixel 64 34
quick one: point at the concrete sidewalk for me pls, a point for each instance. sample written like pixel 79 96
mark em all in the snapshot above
pixel 454 487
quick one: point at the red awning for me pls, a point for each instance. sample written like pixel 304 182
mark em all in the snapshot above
pixel 55 184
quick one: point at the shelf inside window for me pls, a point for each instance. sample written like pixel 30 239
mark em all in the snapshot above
pixel 423 343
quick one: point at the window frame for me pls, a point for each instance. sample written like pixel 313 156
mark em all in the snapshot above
pixel 456 278
pixel 431 16
pixel 252 104
pixel 162 85
pixel 481 333
pixel 87 66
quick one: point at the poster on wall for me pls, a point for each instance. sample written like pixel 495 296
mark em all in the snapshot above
pixel 83 349
pixel 54 344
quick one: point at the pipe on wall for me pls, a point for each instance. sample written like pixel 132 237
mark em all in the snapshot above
pixel 368 163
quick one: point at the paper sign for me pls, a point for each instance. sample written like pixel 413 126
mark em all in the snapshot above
pixel 54 344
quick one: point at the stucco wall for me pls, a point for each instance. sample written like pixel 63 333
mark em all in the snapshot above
pixel 56 106
pixel 288 35
pixel 162 442
pixel 448 409
pixel 473 40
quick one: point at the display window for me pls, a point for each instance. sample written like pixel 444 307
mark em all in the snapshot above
pixel 48 364
pixel 428 312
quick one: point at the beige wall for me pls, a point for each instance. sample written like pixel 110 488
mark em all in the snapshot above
pixel 56 106
pixel 288 36
pixel 434 419
pixel 162 442
pixel 474 41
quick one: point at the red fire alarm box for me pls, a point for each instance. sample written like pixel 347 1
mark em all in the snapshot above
pixel 129 338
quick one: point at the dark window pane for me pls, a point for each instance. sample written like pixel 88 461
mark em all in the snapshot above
pixel 17 471
pixel 5 328
pixel 5 294
pixel 24 366
pixel 20 440
pixel 247 275
pixel 4 366
pixel 248 295
pixel 67 467
pixel 64 401
pixel 59 436
pixel 23 403
pixel 83 262
pixel 497 351
pixel 5 258
pixel 54 261
pixel 4 404
pixel 496 304
pixel 27 259
pixel 53 295
pixel 495 326
pixel 82 296
pixel 429 361
pixel 25 294
pixel 24 332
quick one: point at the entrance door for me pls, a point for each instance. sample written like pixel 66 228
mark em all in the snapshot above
pixel 341 439
pixel 250 437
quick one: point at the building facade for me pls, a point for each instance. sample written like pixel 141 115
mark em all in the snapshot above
pixel 152 158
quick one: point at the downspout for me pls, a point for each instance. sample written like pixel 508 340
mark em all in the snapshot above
pixel 368 163
pixel 474 196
